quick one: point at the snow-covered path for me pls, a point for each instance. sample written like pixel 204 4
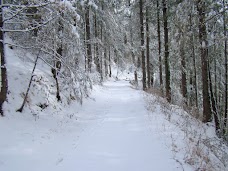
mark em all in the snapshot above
pixel 119 137
pixel 122 140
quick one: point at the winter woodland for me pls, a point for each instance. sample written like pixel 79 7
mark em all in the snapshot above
pixel 161 65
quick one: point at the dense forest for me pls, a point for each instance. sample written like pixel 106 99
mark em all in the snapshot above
pixel 176 47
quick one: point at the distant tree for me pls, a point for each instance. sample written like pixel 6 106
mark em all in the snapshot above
pixel 88 36
pixel 226 69
pixel 166 42
pixel 204 60
pixel 96 54
pixel 149 78
pixel 141 14
pixel 159 44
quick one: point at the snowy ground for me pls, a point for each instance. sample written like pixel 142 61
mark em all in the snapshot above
pixel 111 132
pixel 118 128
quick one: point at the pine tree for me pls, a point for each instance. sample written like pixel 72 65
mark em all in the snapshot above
pixel 166 42
pixel 142 43
pixel 204 60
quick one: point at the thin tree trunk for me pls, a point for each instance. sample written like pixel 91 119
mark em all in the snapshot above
pixel 191 97
pixel 109 63
pixel 3 73
pixel 213 103
pixel 132 53
pixel 219 88
pixel 97 60
pixel 166 41
pixel 101 64
pixel 105 62
pixel 226 69
pixel 159 45
pixel 57 63
pixel 183 70
pixel 204 61
pixel 30 82
pixel 55 70
pixel 88 42
pixel 136 78
pixel 215 74
pixel 148 49
pixel 194 64
pixel 85 43
pixel 101 57
pixel 142 44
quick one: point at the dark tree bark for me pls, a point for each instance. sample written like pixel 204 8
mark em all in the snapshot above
pixel 101 58
pixel 183 70
pixel 142 44
pixel 55 70
pixel 109 62
pixel 204 60
pixel 159 44
pixel 88 42
pixel 4 81
pixel 149 78
pixel 97 59
pixel 136 78
pixel 105 62
pixel 57 63
pixel 166 41
pixel 194 62
pixel 215 73
pixel 191 97
pixel 226 69
pixel 213 103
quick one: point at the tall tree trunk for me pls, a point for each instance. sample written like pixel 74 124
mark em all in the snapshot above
pixel 191 97
pixel 213 103
pixel 109 62
pixel 131 37
pixel 166 41
pixel 3 73
pixel 132 52
pixel 101 57
pixel 183 69
pixel 226 69
pixel 194 63
pixel 88 42
pixel 148 49
pixel 159 44
pixel 57 63
pixel 204 60
pixel 142 44
pixel 215 73
pixel 85 43
pixel 105 62
pixel 55 70
pixel 219 88
pixel 97 60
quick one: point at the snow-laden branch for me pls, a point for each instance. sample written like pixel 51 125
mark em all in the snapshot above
pixel 26 6
pixel 21 8
pixel 31 28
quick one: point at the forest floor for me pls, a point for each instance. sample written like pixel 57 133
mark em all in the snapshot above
pixel 110 132
pixel 118 128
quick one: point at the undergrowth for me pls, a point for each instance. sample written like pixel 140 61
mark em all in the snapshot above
pixel 201 149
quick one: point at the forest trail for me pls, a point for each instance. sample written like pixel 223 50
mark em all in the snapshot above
pixel 111 131
pixel 121 139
